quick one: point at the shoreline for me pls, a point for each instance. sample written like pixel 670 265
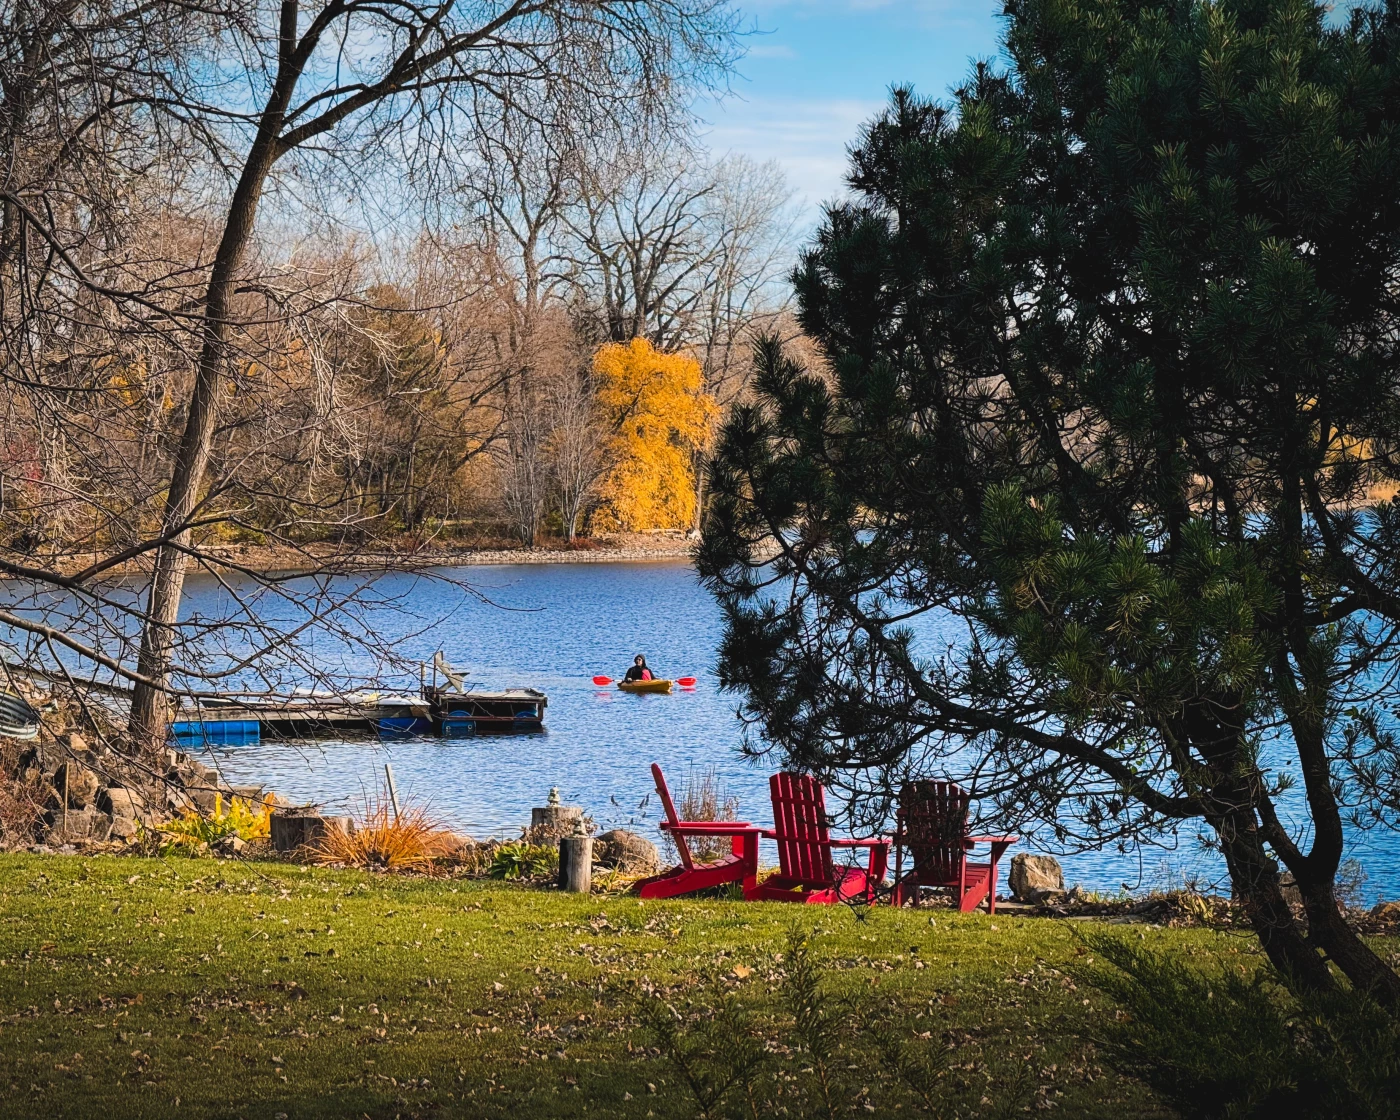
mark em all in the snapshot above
pixel 321 558
pixel 628 548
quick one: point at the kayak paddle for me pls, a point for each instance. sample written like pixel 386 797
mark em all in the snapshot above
pixel 602 680
pixel 686 682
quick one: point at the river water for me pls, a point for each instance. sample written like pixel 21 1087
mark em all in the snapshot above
pixel 553 627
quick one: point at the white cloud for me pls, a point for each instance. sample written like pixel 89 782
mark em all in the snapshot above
pixel 807 138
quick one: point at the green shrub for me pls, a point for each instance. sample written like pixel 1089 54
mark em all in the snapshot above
pixel 1223 1046
pixel 523 861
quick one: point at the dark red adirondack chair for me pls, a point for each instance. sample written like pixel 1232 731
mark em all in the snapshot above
pixel 740 866
pixel 806 871
pixel 932 824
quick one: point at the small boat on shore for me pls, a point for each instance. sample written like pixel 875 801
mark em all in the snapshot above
pixel 644 686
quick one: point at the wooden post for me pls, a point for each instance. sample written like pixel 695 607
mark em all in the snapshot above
pixel 393 793
pixel 576 862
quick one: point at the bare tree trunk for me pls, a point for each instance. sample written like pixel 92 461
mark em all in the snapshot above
pixel 150 710
pixel 698 460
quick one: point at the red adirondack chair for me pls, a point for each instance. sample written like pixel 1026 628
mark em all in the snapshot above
pixel 740 866
pixel 806 872
pixel 932 823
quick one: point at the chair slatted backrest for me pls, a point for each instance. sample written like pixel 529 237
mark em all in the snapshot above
pixel 799 820
pixel 663 792
pixel 935 827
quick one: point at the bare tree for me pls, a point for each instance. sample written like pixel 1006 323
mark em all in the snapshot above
pixel 686 254
pixel 577 442
pixel 343 73
pixel 640 244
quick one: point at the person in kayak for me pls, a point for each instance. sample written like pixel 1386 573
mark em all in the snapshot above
pixel 639 670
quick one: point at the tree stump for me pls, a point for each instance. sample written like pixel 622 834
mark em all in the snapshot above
pixel 291 831
pixel 549 823
pixel 576 864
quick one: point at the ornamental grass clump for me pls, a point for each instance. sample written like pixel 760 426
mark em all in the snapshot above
pixel 382 839
pixel 703 798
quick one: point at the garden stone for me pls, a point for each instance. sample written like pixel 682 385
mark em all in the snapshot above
pixel 1035 876
pixel 80 825
pixel 76 743
pixel 628 852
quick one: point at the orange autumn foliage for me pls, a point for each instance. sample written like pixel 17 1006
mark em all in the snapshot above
pixel 661 416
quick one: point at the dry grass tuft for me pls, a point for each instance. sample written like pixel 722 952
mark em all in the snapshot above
pixel 379 841
pixel 703 799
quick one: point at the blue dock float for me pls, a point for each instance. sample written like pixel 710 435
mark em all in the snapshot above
pixel 217 733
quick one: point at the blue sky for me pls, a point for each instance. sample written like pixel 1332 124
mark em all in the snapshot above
pixel 818 69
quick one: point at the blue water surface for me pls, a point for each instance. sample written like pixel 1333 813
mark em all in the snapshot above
pixel 554 626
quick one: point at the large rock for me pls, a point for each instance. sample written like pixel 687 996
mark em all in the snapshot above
pixel 205 798
pixel 121 804
pixel 1033 877
pixel 627 852
pixel 81 783
pixel 75 743
pixel 78 825
pixel 123 828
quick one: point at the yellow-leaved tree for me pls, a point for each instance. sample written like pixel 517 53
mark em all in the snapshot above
pixel 661 420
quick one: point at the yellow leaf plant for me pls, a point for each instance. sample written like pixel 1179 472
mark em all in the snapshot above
pixel 660 418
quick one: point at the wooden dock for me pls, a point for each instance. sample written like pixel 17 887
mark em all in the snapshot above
pixel 234 721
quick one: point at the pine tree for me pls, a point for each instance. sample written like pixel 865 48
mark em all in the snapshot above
pixel 1115 393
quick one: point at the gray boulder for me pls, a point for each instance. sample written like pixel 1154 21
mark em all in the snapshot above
pixel 626 851
pixel 79 826
pixel 121 803
pixel 1034 877
pixel 123 828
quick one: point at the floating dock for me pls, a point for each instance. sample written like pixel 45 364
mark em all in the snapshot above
pixel 450 711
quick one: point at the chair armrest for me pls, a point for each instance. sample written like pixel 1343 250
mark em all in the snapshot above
pixel 875 842
pixel 710 828
pixel 992 839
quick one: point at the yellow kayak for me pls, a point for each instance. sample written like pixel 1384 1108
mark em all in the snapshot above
pixel 644 686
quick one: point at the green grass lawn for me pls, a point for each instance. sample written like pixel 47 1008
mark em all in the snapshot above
pixel 145 987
